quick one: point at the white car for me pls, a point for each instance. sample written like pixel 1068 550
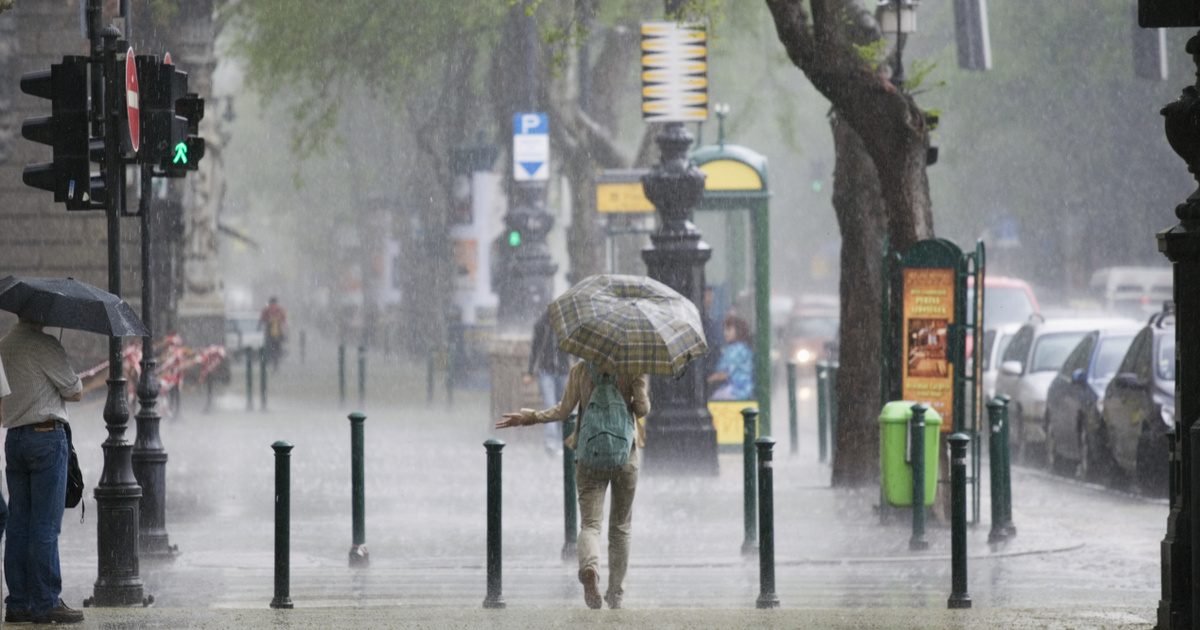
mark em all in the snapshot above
pixel 242 332
pixel 995 340
pixel 1028 366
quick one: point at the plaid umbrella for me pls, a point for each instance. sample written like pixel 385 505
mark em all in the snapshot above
pixel 628 324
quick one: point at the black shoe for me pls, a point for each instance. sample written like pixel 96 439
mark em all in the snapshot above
pixel 61 614
pixel 16 616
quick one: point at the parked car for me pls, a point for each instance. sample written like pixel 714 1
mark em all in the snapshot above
pixel 995 340
pixel 242 332
pixel 1005 300
pixel 1075 397
pixel 1139 406
pixel 1035 354
pixel 1132 291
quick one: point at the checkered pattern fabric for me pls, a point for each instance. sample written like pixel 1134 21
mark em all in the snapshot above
pixel 628 325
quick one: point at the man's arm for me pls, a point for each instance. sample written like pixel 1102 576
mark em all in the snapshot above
pixel 58 369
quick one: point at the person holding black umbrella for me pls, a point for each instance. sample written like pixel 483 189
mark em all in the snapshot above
pixel 35 449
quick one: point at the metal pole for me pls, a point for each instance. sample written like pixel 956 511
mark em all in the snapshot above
pixel 822 410
pixel 283 515
pixel 358 549
pixel 766 531
pixel 262 378
pixel 341 374
pixel 118 495
pixel 749 481
pixel 959 597
pixel 793 428
pixel 149 457
pixel 1010 530
pixel 916 426
pixel 362 375
pixel 995 410
pixel 570 504
pixel 303 345
pixel 833 409
pixel 249 379
pixel 494 598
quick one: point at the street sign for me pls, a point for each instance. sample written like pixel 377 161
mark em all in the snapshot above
pixel 531 147
pixel 131 101
pixel 674 72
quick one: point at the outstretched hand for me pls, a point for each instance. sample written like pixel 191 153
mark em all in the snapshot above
pixel 512 419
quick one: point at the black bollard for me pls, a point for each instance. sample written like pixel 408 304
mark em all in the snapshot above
pixel 749 481
pixel 341 375
pixel 283 503
pixel 208 394
pixel 1010 530
pixel 429 372
pixel 262 379
pixel 823 411
pixel 766 525
pixel 494 598
pixel 793 421
pixel 249 380
pixel 570 504
pixel 362 375
pixel 995 410
pixel 303 345
pixel 358 548
pixel 959 597
pixel 916 434
pixel 833 406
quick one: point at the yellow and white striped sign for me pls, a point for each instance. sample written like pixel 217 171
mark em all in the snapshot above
pixel 674 72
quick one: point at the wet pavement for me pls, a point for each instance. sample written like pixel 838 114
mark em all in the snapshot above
pixel 1084 556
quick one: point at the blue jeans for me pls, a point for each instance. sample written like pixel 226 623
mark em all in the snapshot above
pixel 37 490
pixel 552 387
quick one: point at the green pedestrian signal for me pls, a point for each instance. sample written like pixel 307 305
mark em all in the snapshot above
pixel 817 185
pixel 180 153
pixel 514 238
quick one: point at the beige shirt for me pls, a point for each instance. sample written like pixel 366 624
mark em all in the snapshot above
pixel 40 375
pixel 4 389
pixel 634 389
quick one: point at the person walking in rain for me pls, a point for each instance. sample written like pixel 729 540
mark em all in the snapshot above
pixel 592 484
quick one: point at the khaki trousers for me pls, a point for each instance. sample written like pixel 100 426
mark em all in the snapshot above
pixel 592 485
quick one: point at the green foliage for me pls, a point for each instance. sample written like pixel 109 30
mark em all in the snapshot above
pixel 873 54
pixel 918 71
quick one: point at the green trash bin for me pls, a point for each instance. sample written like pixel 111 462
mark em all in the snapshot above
pixel 894 460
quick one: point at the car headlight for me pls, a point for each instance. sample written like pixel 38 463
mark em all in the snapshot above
pixel 1168 416
pixel 803 355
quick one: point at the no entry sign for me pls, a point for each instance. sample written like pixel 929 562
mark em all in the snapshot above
pixel 131 102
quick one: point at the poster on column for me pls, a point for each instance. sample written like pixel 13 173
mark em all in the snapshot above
pixel 928 375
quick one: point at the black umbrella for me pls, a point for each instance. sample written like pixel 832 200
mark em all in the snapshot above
pixel 69 303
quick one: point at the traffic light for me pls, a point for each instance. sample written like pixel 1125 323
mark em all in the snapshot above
pixel 514 238
pixel 69 175
pixel 170 118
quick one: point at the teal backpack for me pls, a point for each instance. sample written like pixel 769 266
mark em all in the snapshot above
pixel 606 435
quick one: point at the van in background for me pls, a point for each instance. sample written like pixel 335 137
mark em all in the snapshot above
pixel 1132 291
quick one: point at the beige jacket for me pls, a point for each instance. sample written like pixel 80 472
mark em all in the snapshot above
pixel 634 389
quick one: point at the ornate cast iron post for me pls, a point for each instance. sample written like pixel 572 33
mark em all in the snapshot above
pixel 679 432
pixel 1181 245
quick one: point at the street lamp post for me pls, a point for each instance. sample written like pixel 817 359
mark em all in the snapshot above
pixel 679 432
pixel 898 17
pixel 149 458
pixel 1180 547
pixel 118 495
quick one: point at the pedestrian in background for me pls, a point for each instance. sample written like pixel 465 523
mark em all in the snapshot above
pixel 734 376
pixel 550 367
pixel 273 323
pixel 592 484
pixel 35 449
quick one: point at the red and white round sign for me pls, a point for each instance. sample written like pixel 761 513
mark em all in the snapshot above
pixel 131 101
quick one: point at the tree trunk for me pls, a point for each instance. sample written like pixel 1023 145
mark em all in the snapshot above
pixel 858 203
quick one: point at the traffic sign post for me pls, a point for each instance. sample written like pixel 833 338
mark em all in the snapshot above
pixel 132 111
pixel 531 147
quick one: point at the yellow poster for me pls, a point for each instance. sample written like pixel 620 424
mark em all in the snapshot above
pixel 728 420
pixel 928 375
